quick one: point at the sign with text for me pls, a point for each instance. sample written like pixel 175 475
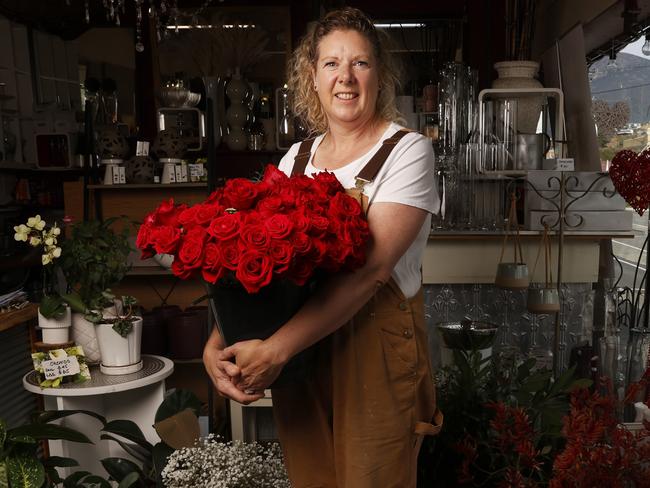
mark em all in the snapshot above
pixel 57 368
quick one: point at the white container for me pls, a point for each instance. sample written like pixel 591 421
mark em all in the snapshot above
pixel 118 351
pixel 83 334
pixel 55 331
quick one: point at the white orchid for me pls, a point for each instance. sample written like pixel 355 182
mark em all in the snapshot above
pixel 46 259
pixel 49 241
pixel 21 232
pixel 55 231
pixel 35 241
pixel 56 252
pixel 36 222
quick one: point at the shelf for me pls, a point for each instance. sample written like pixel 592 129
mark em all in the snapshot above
pixel 130 186
pixel 266 152
pixel 525 234
pixel 187 361
pixel 16 166
pixel 17 317
pixel 149 271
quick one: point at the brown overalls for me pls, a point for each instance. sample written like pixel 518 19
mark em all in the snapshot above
pixel 359 421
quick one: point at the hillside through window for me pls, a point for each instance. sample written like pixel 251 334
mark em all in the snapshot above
pixel 620 90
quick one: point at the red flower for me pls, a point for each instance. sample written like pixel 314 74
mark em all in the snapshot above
pixel 279 228
pixel 254 271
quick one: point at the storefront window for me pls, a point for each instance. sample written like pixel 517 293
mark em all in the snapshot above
pixel 620 90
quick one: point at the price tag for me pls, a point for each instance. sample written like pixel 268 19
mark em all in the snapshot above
pixel 56 368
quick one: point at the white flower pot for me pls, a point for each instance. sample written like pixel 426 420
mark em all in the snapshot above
pixel 118 351
pixel 55 330
pixel 83 334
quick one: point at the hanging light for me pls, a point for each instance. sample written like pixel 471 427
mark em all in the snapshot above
pixel 611 64
pixel 646 46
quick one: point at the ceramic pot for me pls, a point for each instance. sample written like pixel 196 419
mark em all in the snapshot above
pixel 118 351
pixel 512 276
pixel 521 74
pixel 543 300
pixel 56 330
pixel 214 91
pixel 84 335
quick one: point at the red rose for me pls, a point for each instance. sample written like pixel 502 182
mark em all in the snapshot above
pixel 318 251
pixel 215 197
pixel 225 227
pixel 327 183
pixel 212 264
pixel 205 212
pixel 167 212
pixel 254 236
pixel 288 196
pixel 342 206
pixel 300 221
pixel 229 254
pixel 318 224
pixel 301 243
pixel 300 271
pixel 273 176
pixel 187 218
pixel 191 250
pixel 145 240
pixel 281 251
pixel 270 205
pixel 240 193
pixel 167 239
pixel 254 271
pixel 279 226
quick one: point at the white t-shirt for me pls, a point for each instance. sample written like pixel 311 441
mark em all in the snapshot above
pixel 407 177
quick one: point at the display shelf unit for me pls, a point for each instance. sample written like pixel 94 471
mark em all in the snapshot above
pixel 133 186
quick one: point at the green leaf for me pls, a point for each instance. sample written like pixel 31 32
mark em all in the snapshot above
pixel 129 430
pixel 25 472
pixel 580 383
pixel 72 481
pixel 123 327
pixel 53 475
pixel 161 453
pixel 23 439
pixel 132 449
pixel 4 480
pixel 129 480
pixel 61 462
pixel 50 415
pixel 75 302
pixel 94 480
pixel 52 306
pixel 119 468
pixel 49 431
pixel 176 402
pixel 3 432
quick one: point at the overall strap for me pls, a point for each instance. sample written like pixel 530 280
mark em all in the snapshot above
pixel 369 172
pixel 302 157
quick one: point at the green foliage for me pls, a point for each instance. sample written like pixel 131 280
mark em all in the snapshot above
pixel 153 457
pixel 93 259
pixel 20 466
pixel 52 306
pixel 464 391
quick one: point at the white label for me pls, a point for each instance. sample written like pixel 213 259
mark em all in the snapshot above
pixel 142 148
pixel 57 368
pixel 122 174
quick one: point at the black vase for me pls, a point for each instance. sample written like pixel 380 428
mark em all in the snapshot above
pixel 242 316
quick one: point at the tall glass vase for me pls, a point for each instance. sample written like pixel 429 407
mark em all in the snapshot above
pixel 214 91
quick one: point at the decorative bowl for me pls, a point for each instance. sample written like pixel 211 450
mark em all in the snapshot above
pixel 467 334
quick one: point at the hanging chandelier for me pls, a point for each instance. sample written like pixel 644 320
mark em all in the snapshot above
pixel 162 13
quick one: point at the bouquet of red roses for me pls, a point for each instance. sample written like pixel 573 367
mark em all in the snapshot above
pixel 279 228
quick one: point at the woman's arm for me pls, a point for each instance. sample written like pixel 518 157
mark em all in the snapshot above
pixel 393 228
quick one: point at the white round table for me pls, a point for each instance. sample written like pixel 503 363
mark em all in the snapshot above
pixel 134 396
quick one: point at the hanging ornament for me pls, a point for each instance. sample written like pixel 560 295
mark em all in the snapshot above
pixel 630 173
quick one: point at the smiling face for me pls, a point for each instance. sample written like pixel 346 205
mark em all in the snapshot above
pixel 347 78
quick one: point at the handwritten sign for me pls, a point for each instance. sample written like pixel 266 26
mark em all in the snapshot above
pixel 57 368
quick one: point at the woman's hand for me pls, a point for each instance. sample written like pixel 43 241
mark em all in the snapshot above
pixel 223 373
pixel 258 362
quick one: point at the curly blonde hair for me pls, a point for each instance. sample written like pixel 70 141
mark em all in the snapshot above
pixel 306 104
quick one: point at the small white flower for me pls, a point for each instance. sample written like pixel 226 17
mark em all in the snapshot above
pixel 46 259
pixel 50 241
pixel 36 222
pixel 34 241
pixel 55 230
pixel 56 252
pixel 22 231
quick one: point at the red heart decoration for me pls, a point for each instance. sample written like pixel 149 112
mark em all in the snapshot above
pixel 630 173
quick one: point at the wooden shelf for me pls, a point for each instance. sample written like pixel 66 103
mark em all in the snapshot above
pixel 17 317
pixel 130 186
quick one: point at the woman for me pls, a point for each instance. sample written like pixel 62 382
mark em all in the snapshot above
pixel 358 421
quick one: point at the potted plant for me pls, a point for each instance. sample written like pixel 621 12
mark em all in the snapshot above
pixel 94 260
pixel 53 313
pixel 119 337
